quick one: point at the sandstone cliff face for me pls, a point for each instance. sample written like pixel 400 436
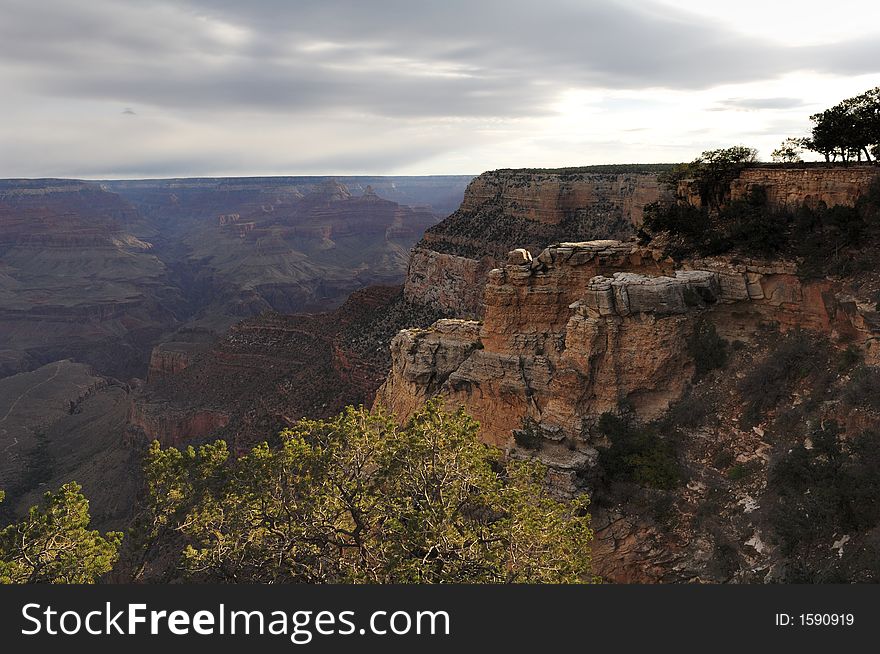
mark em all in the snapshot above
pixel 790 187
pixel 173 426
pixel 605 326
pixel 267 372
pixel 793 187
pixel 450 282
pixel 174 356
pixel 505 209
pixel 551 198
pixel 591 327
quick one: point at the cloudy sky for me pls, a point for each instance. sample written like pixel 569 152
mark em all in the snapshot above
pixel 146 88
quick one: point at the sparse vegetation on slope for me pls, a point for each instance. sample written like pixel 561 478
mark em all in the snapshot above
pixel 826 240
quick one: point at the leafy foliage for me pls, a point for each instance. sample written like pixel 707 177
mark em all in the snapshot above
pixel 714 170
pixel 770 381
pixel 823 237
pixel 789 151
pixel 359 499
pixel 849 129
pixel 529 436
pixel 54 545
pixel 863 389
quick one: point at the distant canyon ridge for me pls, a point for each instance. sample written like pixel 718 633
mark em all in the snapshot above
pixel 100 272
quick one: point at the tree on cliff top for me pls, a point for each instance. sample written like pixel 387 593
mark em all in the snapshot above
pixel 53 544
pixel 789 151
pixel 849 129
pixel 357 499
pixel 712 172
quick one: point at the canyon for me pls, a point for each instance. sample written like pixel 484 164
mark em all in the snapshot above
pixel 102 271
pixel 269 371
pixel 538 305
pixel 128 282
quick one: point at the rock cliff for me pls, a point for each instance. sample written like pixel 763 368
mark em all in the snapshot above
pixel 269 371
pixel 505 209
pixel 578 330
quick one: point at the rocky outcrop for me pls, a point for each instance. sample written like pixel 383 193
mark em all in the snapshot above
pixel 587 328
pixel 172 426
pixel 577 329
pixel 447 281
pixel 174 356
pixel 806 186
pixel 506 209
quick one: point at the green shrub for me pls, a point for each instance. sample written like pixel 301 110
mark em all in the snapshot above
pixel 825 490
pixel 529 436
pixel 741 471
pixel 848 358
pixel 723 459
pixel 637 454
pixel 826 239
pixel 690 411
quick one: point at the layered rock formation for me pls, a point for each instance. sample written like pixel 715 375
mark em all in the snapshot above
pixel 792 187
pixel 580 329
pixel 585 328
pixel 242 246
pixel 267 372
pixel 77 279
pixel 505 209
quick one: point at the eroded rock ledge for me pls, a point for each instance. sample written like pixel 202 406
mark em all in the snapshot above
pixel 585 328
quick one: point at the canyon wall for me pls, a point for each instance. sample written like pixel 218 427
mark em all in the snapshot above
pixel 506 209
pixel 573 330
pixel 792 187
pixel 796 185
pixel 586 328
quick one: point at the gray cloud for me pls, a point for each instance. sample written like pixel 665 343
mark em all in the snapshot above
pixel 389 58
pixel 395 60
pixel 756 104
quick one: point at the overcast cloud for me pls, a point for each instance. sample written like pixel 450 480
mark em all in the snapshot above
pixel 149 88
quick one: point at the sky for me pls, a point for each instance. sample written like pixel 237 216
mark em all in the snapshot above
pixel 146 88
